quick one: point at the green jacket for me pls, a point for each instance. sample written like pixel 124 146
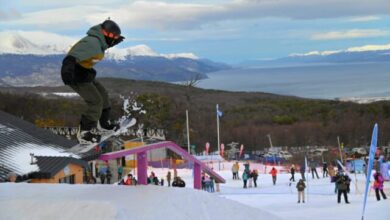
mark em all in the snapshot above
pixel 90 49
pixel 77 66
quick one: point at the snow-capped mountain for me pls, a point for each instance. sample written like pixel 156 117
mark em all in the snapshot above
pixel 30 61
pixel 362 54
pixel 20 42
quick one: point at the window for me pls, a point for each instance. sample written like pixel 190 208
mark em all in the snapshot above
pixel 67 179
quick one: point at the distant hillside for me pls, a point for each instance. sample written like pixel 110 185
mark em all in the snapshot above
pixel 248 117
pixel 36 70
pixel 364 54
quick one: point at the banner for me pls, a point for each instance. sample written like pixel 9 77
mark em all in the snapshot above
pixel 241 150
pixel 373 146
pixel 207 148
pixel 222 150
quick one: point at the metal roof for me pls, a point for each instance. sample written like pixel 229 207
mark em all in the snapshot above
pixel 19 138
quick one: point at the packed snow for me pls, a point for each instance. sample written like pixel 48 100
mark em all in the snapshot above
pixel 44 201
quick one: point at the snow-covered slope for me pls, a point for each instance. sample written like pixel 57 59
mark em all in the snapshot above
pixel 95 202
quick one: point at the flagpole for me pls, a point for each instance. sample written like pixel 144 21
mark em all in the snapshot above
pixel 188 132
pixel 341 154
pixel 219 143
pixel 218 130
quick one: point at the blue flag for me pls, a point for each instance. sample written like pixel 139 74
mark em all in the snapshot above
pixel 374 140
pixel 219 113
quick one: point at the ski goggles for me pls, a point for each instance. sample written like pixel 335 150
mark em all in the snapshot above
pixel 110 35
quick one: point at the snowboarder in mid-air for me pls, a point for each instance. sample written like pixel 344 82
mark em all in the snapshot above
pixel 77 72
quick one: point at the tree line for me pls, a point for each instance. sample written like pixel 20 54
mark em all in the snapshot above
pixel 247 117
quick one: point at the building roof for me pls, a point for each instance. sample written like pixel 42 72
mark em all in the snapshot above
pixel 19 138
pixel 50 166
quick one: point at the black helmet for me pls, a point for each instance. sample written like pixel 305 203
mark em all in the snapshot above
pixel 111 29
pixel 111 32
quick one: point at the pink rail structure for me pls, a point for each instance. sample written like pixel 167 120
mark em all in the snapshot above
pixel 142 161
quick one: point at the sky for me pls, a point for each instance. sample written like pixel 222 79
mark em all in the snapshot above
pixel 230 31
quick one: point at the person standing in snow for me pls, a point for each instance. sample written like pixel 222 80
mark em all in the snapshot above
pixel 245 177
pixel 301 190
pixel 302 170
pixel 324 170
pixel 292 172
pixel 169 178
pixel 378 186
pixel 313 169
pixel 102 174
pixel 78 73
pixel 108 175
pixel 250 179
pixel 273 173
pixel 342 187
pixel 255 175
pixel 120 172
pixel 235 168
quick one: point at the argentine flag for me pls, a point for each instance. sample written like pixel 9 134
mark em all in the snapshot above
pixel 219 113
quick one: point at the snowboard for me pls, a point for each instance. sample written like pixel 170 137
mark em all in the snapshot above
pixel 84 148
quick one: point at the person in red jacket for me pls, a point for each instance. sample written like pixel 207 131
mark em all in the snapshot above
pixel 129 180
pixel 273 172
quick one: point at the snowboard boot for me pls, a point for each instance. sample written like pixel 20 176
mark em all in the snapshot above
pixel 105 127
pixel 86 134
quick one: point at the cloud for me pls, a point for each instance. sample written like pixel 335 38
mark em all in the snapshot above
pixel 10 14
pixel 364 19
pixel 349 34
pixel 172 15
pixel 34 42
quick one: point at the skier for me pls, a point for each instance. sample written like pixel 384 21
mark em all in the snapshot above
pixel 324 170
pixel 313 169
pixel 378 186
pixel 78 73
pixel 292 171
pixel 301 188
pixel 273 172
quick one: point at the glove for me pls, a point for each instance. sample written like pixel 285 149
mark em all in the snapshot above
pixel 117 41
pixel 68 70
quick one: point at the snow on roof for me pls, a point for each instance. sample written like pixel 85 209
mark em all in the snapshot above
pixel 20 160
pixel 19 138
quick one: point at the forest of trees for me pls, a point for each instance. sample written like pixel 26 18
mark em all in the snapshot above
pixel 247 117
